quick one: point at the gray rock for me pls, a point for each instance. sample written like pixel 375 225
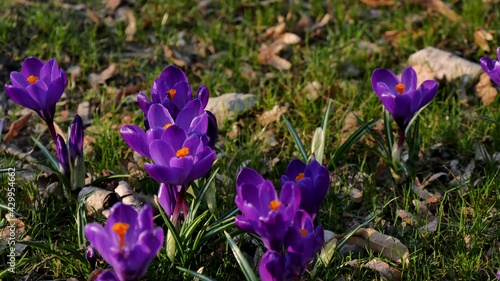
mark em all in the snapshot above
pixel 230 105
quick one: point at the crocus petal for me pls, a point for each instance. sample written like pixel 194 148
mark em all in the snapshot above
pixel 183 94
pixel 175 136
pixel 188 113
pixel 409 79
pixel 173 75
pixel 203 95
pixel 136 138
pixel 18 80
pixel 76 137
pixel 143 102
pixel 428 89
pixel 491 67
pixel 158 116
pixel 99 238
pixel 21 97
pixel 164 174
pixel 271 267
pixel 31 66
pixel 62 154
pixel 38 92
pixel 203 165
pixel 381 75
pixel 124 214
pixel 248 175
pixel 107 275
pixel 161 152
pixel 167 197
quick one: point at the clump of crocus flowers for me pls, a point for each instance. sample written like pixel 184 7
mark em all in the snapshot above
pixel 180 137
pixel 128 242
pixel 285 223
pixel 402 99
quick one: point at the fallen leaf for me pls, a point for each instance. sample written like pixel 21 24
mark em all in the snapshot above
pixel 279 63
pixel 113 4
pixel 378 3
pixel 440 7
pixel 356 195
pixel 16 127
pixel 485 91
pixel 481 36
pixel 131 27
pixel 95 78
pixel 407 217
pixel 312 90
pixel 386 272
pixel 277 29
pixel 273 114
pixel 289 38
pixel 388 246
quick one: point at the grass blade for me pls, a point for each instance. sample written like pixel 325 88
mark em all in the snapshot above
pixel 242 261
pixel 53 161
pixel 296 138
pixel 346 146
pixel 195 274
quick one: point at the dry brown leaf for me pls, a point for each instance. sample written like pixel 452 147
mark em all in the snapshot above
pixel 113 4
pixel 277 29
pixel 440 7
pixel 273 114
pixel 419 190
pixel 485 91
pixel 356 195
pixel 16 127
pixel 407 217
pixel 378 3
pixel 350 122
pixel 312 90
pixel 386 272
pixel 279 63
pixel 131 27
pixel 289 38
pixel 388 246
pixel 95 78
pixel 481 36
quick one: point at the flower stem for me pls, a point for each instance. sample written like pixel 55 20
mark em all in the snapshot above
pixel 52 129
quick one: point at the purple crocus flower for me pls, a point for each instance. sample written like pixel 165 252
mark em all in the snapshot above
pixel 313 180
pixel 128 241
pixel 71 156
pixel 191 118
pixel 264 213
pixel 178 158
pixel 38 87
pixel 492 67
pixel 272 266
pixel 172 90
pixel 302 243
pixel 402 98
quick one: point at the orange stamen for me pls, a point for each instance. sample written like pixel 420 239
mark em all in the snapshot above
pixel 32 79
pixel 400 88
pixel 299 177
pixel 183 152
pixel 121 229
pixel 167 126
pixel 303 232
pixel 274 205
pixel 172 93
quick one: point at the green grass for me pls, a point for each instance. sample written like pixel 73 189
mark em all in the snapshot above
pixel 221 44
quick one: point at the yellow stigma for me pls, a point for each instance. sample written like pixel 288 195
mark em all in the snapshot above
pixel 400 88
pixel 303 232
pixel 172 93
pixel 121 229
pixel 183 152
pixel 274 205
pixel 299 177
pixel 167 126
pixel 32 79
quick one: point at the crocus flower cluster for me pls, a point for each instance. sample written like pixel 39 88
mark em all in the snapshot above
pixel 401 98
pixel 38 87
pixel 492 67
pixel 285 223
pixel 180 136
pixel 128 242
